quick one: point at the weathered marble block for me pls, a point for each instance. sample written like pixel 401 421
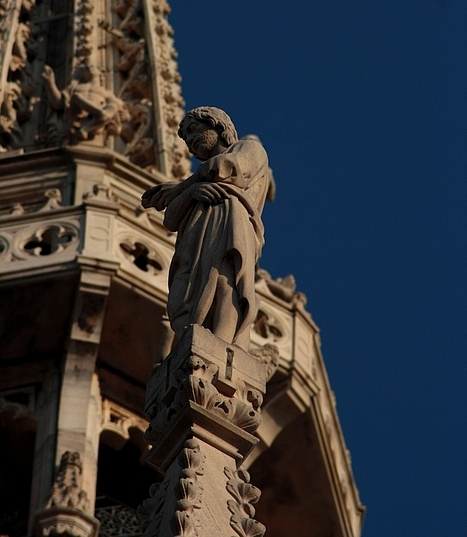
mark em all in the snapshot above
pixel 205 388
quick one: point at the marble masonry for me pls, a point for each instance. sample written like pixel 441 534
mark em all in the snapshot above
pixel 154 380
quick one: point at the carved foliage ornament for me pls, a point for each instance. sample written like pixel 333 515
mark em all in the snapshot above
pixel 54 200
pixel 7 12
pixel 269 355
pixel 195 383
pixel 245 494
pixel 83 31
pixel 67 512
pixel 283 288
pixel 150 511
pixel 189 490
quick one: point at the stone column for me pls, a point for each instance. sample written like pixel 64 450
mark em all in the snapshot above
pixel 79 417
pixel 204 404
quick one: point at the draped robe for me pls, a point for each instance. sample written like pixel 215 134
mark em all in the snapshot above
pixel 210 235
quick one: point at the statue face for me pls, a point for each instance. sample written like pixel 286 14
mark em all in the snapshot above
pixel 201 139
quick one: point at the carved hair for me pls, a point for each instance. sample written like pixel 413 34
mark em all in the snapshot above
pixel 216 118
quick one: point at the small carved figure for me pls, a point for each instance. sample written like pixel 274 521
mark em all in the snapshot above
pixel 216 213
pixel 67 488
pixel 11 135
pixel 137 134
pixel 89 108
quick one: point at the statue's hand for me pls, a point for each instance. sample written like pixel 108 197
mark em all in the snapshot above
pixel 160 196
pixel 211 193
pixel 48 74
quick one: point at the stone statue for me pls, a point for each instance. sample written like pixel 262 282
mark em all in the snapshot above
pixel 216 213
pixel 89 108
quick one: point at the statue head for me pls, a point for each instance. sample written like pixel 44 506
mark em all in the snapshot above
pixel 87 73
pixel 216 118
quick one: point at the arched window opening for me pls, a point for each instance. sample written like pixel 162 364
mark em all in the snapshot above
pixel 122 484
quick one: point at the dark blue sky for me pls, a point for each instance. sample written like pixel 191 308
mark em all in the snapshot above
pixel 362 108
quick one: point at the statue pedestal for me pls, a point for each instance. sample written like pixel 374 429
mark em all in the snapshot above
pixel 204 404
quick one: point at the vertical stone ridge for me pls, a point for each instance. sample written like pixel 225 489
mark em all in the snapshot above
pixel 173 151
pixel 83 30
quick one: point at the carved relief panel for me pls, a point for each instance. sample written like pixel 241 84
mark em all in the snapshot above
pixel 101 73
pixel 147 80
pixel 19 46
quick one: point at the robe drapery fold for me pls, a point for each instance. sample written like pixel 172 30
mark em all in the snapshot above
pixel 210 235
